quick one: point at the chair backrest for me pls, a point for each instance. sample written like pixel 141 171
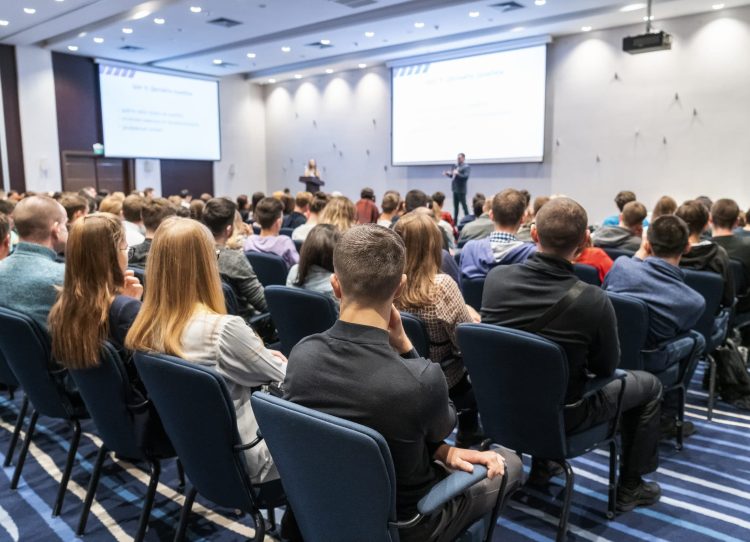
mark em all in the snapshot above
pixel 472 290
pixel 615 253
pixel 230 298
pixel 26 349
pixel 710 286
pixel 520 382
pixel 738 275
pixel 338 475
pixel 103 390
pixel 270 268
pixel 6 375
pixel 587 273
pixel 417 333
pixel 632 329
pixel 298 245
pixel 299 313
pixel 286 231
pixel 199 418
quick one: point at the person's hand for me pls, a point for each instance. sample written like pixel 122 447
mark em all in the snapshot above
pixel 277 354
pixel 475 317
pixel 132 287
pixel 460 459
pixel 396 334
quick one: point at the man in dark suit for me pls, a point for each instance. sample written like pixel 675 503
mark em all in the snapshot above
pixel 460 177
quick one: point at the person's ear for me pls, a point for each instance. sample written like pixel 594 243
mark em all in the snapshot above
pixel 620 218
pixel 586 240
pixel 401 287
pixel 534 234
pixel 492 216
pixel 647 247
pixel 687 248
pixel 230 230
pixel 336 285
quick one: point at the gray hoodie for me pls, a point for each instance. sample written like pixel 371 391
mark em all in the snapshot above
pixel 616 237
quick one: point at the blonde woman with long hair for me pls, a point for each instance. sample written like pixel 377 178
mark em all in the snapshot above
pixel 340 212
pixel 184 315
pixel 435 298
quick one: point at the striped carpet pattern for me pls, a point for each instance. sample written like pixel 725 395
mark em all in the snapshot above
pixel 706 492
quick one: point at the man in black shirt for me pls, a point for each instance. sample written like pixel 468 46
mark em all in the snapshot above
pixel 516 296
pixel 365 369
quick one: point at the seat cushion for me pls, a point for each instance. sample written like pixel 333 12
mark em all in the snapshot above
pixel 581 442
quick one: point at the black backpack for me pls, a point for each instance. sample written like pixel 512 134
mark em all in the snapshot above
pixel 732 378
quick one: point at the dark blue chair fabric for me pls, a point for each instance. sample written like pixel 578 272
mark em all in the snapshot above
pixel 472 290
pixel 714 321
pixel 286 231
pixel 587 273
pixel 738 275
pixel 230 298
pixel 140 273
pixel 270 268
pixel 298 245
pixel 341 483
pixel 417 333
pixel 615 253
pixel 299 313
pixel 9 379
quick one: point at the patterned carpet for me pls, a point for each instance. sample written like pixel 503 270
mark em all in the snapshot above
pixel 706 492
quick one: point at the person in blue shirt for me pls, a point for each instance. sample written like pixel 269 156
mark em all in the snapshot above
pixel 621 200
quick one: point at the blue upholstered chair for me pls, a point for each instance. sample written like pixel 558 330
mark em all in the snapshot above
pixel 199 417
pixel 417 333
pixel 298 313
pixel 140 274
pixel 741 286
pixel 9 379
pixel 673 362
pixel 587 273
pixel 270 268
pixel 104 390
pixel 26 348
pixel 341 483
pixel 286 231
pixel 298 245
pixel 472 290
pixel 615 253
pixel 230 298
pixel 520 381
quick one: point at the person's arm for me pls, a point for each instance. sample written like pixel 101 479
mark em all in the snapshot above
pixel 244 359
pixel 246 281
pixel 604 352
pixel 464 460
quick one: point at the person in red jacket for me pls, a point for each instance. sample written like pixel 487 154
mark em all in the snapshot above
pixel 596 257
pixel 367 211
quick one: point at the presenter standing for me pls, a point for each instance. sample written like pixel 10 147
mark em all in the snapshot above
pixel 460 177
pixel 311 170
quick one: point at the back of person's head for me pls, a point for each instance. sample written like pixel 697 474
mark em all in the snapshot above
pixel 508 208
pixel 7 206
pixel 666 205
pixel 257 196
pixel 439 198
pixel 111 204
pixel 268 211
pixel 695 216
pixel 319 202
pixel 242 202
pixel 724 213
pixel 302 200
pixel 38 218
pixel 317 250
pixel 155 211
pixel 623 198
pixel 414 199
pixel 705 200
pixel 561 226
pixel 424 254
pixel 367 193
pixel 526 195
pixel 668 236
pixel 288 203
pixel 4 235
pixel 206 197
pixel 95 262
pixel 75 205
pixel 132 207
pixel 539 202
pixel 369 264
pixel 340 212
pixel 477 203
pixel 196 209
pixel 633 214
pixel 218 215
pixel 182 274
pixel 390 202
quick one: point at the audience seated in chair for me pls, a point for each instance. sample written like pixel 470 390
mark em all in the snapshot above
pixel 481 226
pixel 705 254
pixel 628 233
pixel 724 218
pixel 4 236
pixel 389 207
pixel 184 315
pixel 339 212
pixel 596 258
pixel 132 214
pixel 501 247
pixel 269 214
pixel 30 276
pixel 75 206
pixel 365 369
pixel 477 206
pixel 743 228
pixel 621 200
pixel 315 267
pixel 445 220
pixel 524 232
pixel 301 209
pixel 367 211
pixel 154 212
pixel 543 295
pixel 666 205
pixel 318 203
pixel 219 216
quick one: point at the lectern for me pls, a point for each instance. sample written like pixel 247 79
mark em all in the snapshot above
pixel 312 184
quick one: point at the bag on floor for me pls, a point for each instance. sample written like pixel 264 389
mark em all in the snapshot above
pixel 732 378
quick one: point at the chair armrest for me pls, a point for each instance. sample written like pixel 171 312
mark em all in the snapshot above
pixel 593 385
pixel 258 318
pixel 242 447
pixel 450 488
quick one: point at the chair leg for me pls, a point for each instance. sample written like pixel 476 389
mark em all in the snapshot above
pixel 497 509
pixel 24 449
pixel 91 491
pixel 272 517
pixel 180 475
pixel 562 529
pixel 185 515
pixel 148 501
pixel 16 432
pixel 680 418
pixel 711 386
pixel 614 457
pixel 68 468
pixel 260 526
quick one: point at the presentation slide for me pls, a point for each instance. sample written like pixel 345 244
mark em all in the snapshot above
pixel 153 115
pixel 489 106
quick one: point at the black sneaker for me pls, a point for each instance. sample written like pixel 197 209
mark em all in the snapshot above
pixel 643 494
pixel 542 471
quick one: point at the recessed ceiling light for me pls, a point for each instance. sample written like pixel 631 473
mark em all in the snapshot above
pixel 272 81
pixel 329 71
pixel 473 14
pixel 3 22
pixel 141 14
pixel 362 66
pixel 127 30
pixel 82 34
pixel 632 7
pixel 297 76
pixel 29 11
pixel 717 6
pixel 286 49
pixel 418 24
pixel 585 28
pixel 59 0
pixel 540 2
pixel 369 34
pixel 325 42
pixel 160 20
pixel 647 18
pixel 217 61
pixel 73 48
pixel 251 55
pixel 516 29
pixel 196 9
pixel 98 40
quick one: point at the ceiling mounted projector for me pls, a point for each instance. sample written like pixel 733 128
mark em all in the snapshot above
pixel 648 42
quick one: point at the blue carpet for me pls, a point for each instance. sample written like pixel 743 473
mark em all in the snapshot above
pixel 706 492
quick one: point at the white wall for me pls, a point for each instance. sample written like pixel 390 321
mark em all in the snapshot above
pixel 337 119
pixel 36 97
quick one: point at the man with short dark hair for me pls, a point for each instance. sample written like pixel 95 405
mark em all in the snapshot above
pixel 459 175
pixel 301 209
pixel 269 215
pixel 154 211
pixel 628 233
pixel 218 216
pixel 501 247
pixel 478 228
pixel 366 370
pixel 724 219
pixel 132 208
pixel 367 211
pixel 621 200
pixel 75 207
pixel 477 207
pixel 518 296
